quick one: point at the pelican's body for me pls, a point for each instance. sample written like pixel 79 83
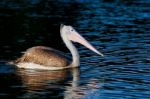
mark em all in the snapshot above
pixel 44 56
pixel 41 57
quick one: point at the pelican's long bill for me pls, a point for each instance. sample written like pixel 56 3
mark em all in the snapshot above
pixel 76 37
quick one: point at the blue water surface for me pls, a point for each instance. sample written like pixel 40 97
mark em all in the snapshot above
pixel 120 29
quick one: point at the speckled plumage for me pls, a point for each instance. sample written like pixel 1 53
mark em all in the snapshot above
pixel 44 56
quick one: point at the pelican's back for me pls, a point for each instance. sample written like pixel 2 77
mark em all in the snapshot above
pixel 44 56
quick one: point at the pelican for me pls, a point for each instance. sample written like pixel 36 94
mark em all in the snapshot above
pixel 46 58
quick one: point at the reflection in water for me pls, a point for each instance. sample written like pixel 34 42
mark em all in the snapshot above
pixel 77 91
pixel 120 28
pixel 37 80
pixel 70 91
pixel 34 79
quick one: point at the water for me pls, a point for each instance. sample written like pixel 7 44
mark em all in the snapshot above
pixel 118 28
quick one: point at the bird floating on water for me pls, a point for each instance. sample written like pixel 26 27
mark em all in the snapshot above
pixel 41 57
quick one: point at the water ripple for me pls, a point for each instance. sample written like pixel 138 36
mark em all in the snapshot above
pixel 117 28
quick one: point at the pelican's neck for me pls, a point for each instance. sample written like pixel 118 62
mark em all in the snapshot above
pixel 73 50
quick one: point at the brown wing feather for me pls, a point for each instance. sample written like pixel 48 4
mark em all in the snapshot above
pixel 44 56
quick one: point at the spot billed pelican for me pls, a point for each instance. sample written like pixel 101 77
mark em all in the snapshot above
pixel 41 57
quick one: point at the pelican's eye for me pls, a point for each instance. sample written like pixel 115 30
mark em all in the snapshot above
pixel 71 29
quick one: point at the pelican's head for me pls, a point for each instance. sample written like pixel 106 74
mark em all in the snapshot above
pixel 71 34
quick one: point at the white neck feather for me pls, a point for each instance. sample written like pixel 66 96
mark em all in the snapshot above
pixel 73 50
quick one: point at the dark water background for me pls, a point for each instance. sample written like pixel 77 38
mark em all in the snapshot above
pixel 118 28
